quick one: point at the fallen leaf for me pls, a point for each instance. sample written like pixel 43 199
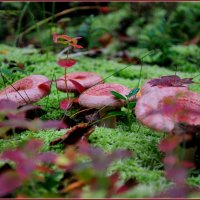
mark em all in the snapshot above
pixel 171 81
pixel 193 41
pixel 9 181
pixel 4 52
pixel 46 87
pixel 105 39
pixel 74 135
pixel 169 143
pixel 66 104
pixel 72 186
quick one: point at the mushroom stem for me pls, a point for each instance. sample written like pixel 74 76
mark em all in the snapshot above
pixel 187 148
pixel 105 121
pixel 187 154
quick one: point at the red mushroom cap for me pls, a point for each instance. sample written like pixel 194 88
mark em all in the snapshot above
pixel 162 109
pixel 25 90
pixel 86 79
pixel 100 96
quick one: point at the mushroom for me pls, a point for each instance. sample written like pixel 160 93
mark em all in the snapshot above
pixel 168 109
pixel 26 90
pixel 100 97
pixel 149 112
pixel 86 79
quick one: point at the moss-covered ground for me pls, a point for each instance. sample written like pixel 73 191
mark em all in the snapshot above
pixel 146 164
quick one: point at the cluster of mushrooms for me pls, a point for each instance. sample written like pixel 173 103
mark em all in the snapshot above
pixel 97 95
pixel 164 104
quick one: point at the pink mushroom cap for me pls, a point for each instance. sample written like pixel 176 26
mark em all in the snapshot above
pixel 100 95
pixel 26 90
pixel 86 79
pixel 162 109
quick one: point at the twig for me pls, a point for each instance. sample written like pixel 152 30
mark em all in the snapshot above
pixel 64 12
pixel 63 51
pixel 27 96
pixel 86 52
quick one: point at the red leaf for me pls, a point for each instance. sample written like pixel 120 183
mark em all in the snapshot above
pixel 172 81
pixel 100 160
pixel 169 144
pixel 48 157
pixel 66 63
pixel 24 165
pixel 56 37
pixel 104 9
pixel 176 191
pixel 46 87
pixel 55 124
pixel 32 147
pixel 188 164
pixel 76 46
pixel 65 39
pixel 78 86
pixel 9 181
pixel 66 104
pixel 170 160
pixel 176 174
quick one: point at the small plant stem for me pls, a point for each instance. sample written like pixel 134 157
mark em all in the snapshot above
pixel 79 53
pixel 68 98
pixel 128 114
pixel 66 76
pixel 63 51
pixel 141 67
pixel 72 116
pixel 14 132
pixel 27 96
pixel 196 76
pixel 58 98
pixel 149 53
pixel 103 118
pixel 49 92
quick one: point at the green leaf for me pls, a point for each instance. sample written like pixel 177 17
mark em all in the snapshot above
pixel 131 105
pixel 118 95
pixel 116 113
pixel 133 92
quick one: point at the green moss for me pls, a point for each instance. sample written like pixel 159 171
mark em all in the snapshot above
pixel 23 55
pixel 146 163
pixel 185 57
pixel 17 139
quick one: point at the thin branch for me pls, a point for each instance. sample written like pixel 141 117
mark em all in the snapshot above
pixel 64 12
